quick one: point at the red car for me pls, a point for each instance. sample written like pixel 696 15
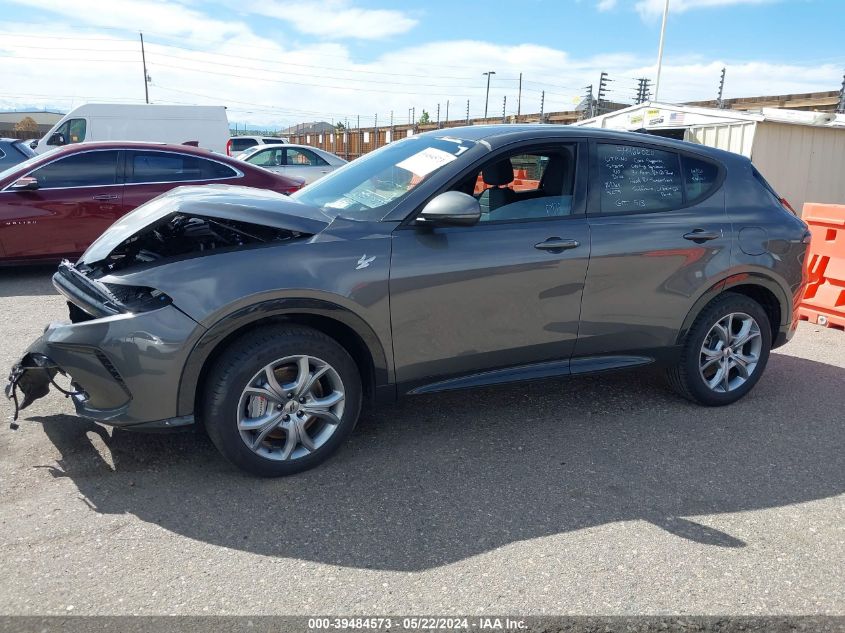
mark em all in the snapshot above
pixel 54 205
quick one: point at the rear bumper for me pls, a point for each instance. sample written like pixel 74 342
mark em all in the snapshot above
pixel 124 369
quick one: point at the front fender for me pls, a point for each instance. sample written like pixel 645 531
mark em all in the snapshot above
pixel 279 307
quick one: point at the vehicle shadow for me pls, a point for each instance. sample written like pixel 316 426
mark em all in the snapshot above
pixel 27 281
pixel 439 478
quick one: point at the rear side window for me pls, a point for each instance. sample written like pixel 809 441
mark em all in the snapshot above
pixel 700 178
pixel 271 141
pixel 240 144
pixel 88 169
pixel 171 167
pixel 635 178
pixel 303 158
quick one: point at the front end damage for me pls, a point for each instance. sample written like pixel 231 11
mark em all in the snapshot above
pixel 124 344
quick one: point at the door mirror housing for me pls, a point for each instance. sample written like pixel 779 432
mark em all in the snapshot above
pixel 26 183
pixel 33 144
pixel 451 208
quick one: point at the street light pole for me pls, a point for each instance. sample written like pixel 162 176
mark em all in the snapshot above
pixel 487 98
pixel 660 49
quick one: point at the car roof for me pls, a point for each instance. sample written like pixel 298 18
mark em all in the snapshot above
pixel 498 135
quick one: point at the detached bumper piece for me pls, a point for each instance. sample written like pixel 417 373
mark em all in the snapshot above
pixel 33 376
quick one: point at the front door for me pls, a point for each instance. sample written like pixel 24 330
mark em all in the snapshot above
pixel 506 292
pixel 78 197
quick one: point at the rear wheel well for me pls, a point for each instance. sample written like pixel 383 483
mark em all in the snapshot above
pixel 767 300
pixel 340 332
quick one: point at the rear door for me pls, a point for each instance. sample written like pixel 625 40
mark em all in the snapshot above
pixel 150 173
pixel 660 237
pixel 78 197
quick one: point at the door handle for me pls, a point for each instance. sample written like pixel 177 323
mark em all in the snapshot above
pixel 104 197
pixel 700 235
pixel 557 244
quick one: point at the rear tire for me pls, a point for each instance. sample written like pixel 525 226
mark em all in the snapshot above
pixel 281 399
pixel 725 351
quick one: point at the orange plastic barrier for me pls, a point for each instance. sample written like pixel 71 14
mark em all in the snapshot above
pixel 824 298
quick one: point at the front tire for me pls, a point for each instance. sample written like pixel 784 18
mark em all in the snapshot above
pixel 725 351
pixel 281 399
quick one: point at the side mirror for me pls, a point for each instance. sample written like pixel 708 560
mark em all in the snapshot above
pixel 33 144
pixel 26 183
pixel 451 208
pixel 56 139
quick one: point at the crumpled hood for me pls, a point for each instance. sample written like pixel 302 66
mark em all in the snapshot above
pixel 224 202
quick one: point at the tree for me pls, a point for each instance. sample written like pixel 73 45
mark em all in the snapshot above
pixel 339 126
pixel 425 118
pixel 26 124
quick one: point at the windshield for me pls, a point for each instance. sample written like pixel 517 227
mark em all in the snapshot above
pixel 365 188
pixel 24 165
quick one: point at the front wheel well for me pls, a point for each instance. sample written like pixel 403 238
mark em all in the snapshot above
pixel 340 332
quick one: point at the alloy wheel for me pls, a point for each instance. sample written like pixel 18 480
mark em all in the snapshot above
pixel 291 408
pixel 730 352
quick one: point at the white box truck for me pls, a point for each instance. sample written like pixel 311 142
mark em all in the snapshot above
pixel 205 126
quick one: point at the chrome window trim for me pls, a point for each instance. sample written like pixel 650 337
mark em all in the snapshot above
pixel 238 172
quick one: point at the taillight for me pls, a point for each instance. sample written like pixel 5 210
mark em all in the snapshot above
pixel 229 147
pixel 785 204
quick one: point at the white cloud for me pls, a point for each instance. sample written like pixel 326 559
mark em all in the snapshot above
pixel 334 19
pixel 278 81
pixel 606 5
pixel 650 9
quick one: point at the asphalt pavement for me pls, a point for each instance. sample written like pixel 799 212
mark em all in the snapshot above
pixel 600 495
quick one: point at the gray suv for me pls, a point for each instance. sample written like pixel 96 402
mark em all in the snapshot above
pixel 453 259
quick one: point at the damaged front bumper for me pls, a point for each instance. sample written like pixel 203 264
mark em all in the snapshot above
pixel 124 366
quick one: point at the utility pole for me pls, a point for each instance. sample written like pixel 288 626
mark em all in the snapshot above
pixel 414 117
pixel 590 102
pixel 144 62
pixel 487 98
pixel 467 111
pixel 392 132
pixel 447 111
pixel 643 90
pixel 542 104
pixel 719 102
pixel 660 49
pixel 375 129
pixel 602 91
pixel 438 116
pixel 519 98
pixel 841 108
pixel 504 107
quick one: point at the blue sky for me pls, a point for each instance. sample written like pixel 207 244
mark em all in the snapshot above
pixel 278 62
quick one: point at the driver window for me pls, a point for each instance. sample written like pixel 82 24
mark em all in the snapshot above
pixel 524 185
pixel 71 131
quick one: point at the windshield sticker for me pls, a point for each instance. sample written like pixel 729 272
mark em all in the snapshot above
pixel 428 160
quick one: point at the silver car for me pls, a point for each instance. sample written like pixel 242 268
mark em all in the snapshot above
pixel 297 161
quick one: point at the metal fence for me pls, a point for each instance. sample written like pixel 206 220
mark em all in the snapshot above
pixel 355 142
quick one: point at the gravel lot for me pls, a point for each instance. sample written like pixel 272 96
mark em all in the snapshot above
pixel 604 495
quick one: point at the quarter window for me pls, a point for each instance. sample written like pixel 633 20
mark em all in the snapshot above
pixel 699 177
pixel 635 178
pixel 87 169
pixel 172 167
